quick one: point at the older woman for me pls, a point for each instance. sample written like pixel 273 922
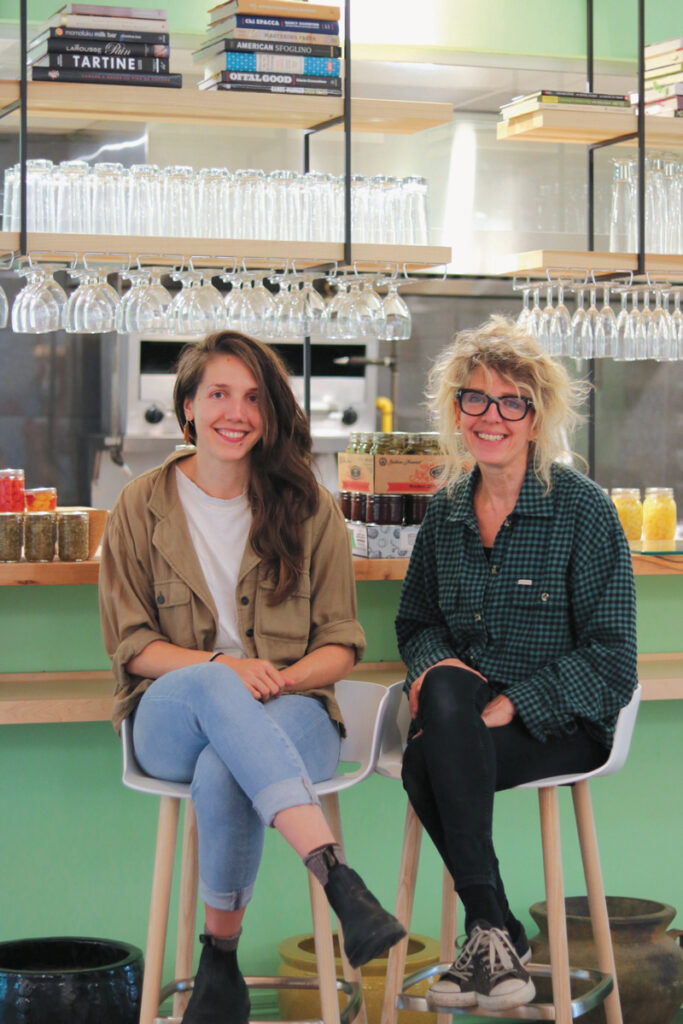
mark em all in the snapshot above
pixel 517 626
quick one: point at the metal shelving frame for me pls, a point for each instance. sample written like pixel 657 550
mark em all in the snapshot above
pixel 22 104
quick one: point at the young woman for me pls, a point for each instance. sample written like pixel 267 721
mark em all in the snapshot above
pixel 517 625
pixel 228 609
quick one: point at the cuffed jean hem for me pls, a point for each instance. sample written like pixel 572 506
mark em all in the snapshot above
pixel 225 900
pixel 281 795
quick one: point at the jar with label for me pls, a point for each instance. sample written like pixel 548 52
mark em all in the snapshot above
pixel 659 514
pixel 39 536
pixel 630 510
pixel 11 535
pixel 41 499
pixel 12 490
pixel 72 536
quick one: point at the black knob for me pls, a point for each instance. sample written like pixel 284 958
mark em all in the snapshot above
pixel 154 414
pixel 349 416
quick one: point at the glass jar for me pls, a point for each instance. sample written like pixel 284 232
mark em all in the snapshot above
pixel 11 535
pixel 430 443
pixel 416 508
pixel 39 536
pixel 72 536
pixel 358 505
pixel 41 499
pixel 345 503
pixel 12 490
pixel 630 510
pixel 354 441
pixel 659 514
pixel 365 443
pixel 382 444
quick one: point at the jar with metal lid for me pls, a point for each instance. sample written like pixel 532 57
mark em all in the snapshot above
pixel 11 536
pixel 358 505
pixel 629 509
pixel 72 536
pixel 41 499
pixel 372 509
pixel 345 503
pixel 39 536
pixel 416 508
pixel 12 490
pixel 659 514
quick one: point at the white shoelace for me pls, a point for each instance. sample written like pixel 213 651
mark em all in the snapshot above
pixel 500 960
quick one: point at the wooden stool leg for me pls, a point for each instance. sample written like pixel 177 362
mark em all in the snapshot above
pixel 324 952
pixel 187 910
pixel 330 805
pixel 158 912
pixel 585 824
pixel 405 895
pixel 449 928
pixel 554 891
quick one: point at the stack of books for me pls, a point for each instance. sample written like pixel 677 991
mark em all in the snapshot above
pixel 276 46
pixel 664 79
pixel 548 99
pixel 103 44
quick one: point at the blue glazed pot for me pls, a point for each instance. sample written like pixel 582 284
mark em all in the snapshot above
pixel 51 981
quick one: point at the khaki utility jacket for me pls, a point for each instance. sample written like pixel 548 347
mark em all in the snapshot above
pixel 152 588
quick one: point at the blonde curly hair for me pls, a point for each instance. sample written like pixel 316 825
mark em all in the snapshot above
pixel 499 345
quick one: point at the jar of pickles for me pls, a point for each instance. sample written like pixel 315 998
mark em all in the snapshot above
pixel 11 535
pixel 12 490
pixel 659 514
pixel 72 536
pixel 630 510
pixel 39 536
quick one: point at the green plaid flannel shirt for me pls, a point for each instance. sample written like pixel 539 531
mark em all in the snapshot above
pixel 549 620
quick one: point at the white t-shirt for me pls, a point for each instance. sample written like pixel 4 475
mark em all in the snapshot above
pixel 219 529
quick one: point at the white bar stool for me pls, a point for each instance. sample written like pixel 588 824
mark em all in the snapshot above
pixel 563 1008
pixel 363 707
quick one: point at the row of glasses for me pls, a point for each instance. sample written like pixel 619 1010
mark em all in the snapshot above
pixel 110 199
pixel 663 204
pixel 269 305
pixel 636 330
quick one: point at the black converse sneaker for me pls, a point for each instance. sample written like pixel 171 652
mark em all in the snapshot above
pixel 488 972
pixel 499 979
pixel 456 986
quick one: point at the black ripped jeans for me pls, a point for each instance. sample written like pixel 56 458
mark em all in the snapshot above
pixel 452 769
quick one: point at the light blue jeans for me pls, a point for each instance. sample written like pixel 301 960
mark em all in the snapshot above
pixel 246 761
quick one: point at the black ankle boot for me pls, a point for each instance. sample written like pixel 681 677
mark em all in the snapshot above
pixel 369 930
pixel 220 995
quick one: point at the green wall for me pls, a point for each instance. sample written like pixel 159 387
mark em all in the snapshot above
pixel 76 848
pixel 555 27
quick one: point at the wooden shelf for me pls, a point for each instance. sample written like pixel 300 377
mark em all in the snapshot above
pixel 586 128
pixel 21 574
pixel 33 698
pixel 215 251
pixel 64 102
pixel 538 262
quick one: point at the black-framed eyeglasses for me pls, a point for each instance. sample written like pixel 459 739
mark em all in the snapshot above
pixel 510 407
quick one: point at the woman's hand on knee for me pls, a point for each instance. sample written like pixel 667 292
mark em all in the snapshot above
pixel 499 711
pixel 416 686
pixel 259 676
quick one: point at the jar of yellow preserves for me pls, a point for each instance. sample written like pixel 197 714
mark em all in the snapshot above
pixel 630 510
pixel 659 514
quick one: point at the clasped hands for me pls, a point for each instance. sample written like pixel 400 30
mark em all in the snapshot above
pixel 499 711
pixel 259 676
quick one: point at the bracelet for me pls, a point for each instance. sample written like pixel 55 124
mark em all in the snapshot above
pixel 216 654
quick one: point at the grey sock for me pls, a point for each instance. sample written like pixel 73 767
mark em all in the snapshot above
pixel 227 943
pixel 320 860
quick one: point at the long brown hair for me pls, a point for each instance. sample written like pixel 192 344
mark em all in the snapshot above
pixel 282 488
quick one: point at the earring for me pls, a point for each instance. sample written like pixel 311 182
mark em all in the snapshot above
pixel 186 432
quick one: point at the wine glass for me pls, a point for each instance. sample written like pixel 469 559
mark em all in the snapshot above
pixel 560 326
pixel 91 308
pixel 398 322
pixel 625 342
pixel 523 318
pixel 577 323
pixel 333 329
pixel 546 320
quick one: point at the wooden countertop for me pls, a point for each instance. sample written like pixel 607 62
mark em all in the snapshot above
pixel 21 574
